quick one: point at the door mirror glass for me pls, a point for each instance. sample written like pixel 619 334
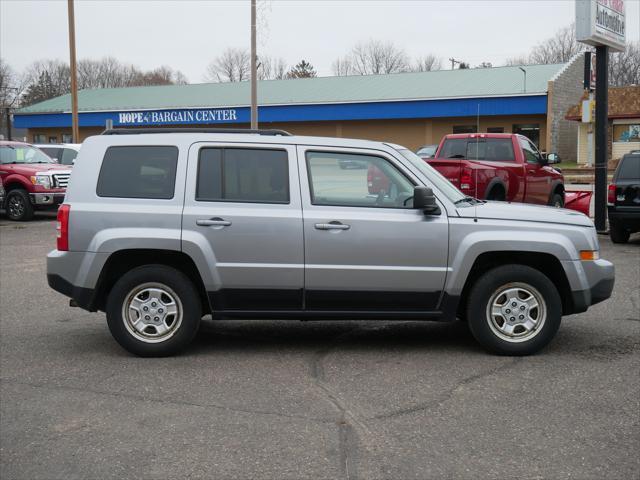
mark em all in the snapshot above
pixel 424 199
pixel 553 158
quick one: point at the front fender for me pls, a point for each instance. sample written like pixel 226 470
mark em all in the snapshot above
pixel 477 243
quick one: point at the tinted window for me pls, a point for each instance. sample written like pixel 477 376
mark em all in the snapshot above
pixel 629 168
pixel 349 180
pixel 492 149
pixel 68 156
pixel 243 175
pixel 454 148
pixel 54 153
pixel 138 172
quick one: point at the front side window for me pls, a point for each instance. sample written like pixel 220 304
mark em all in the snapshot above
pixel 530 153
pixel 55 153
pixel 138 172
pixel 68 156
pixel 251 175
pixel 353 180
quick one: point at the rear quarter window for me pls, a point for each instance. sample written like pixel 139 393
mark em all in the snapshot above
pixel 138 172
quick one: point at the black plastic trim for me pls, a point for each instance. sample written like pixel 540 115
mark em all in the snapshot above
pixel 83 297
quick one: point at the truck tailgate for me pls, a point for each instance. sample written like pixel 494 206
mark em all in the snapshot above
pixel 450 169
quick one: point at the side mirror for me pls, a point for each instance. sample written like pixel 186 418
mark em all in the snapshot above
pixel 553 158
pixel 424 200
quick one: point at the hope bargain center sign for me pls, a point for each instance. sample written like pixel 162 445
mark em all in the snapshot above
pixel 176 117
pixel 601 22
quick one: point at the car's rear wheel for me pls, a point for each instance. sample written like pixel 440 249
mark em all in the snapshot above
pixel 153 310
pixel 514 310
pixel 18 205
pixel 557 200
pixel 618 234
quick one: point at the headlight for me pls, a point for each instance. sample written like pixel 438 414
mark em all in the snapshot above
pixel 43 180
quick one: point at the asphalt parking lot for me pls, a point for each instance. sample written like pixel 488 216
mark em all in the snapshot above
pixel 292 400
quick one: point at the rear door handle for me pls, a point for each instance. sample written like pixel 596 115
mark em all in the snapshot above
pixel 213 222
pixel 332 226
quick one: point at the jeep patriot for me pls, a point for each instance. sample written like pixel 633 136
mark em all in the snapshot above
pixel 162 227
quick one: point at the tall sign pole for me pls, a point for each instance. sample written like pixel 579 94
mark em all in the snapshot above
pixel 74 77
pixel 254 69
pixel 601 23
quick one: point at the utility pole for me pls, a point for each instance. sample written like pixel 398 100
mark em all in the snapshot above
pixel 453 62
pixel 602 143
pixel 254 69
pixel 74 77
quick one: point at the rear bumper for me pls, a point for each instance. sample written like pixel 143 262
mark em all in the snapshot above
pixel 627 218
pixel 601 276
pixel 83 297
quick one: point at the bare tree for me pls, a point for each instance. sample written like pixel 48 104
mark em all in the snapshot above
pixel 518 60
pixel 342 67
pixel 46 79
pixel 376 57
pixel 557 49
pixel 11 86
pixel 271 68
pixel 427 63
pixel 624 67
pixel 232 66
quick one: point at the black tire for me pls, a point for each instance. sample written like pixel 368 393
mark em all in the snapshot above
pixel 496 194
pixel 18 206
pixel 557 200
pixel 173 282
pixel 514 276
pixel 618 234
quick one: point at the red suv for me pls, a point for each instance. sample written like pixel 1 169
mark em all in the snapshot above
pixel 31 180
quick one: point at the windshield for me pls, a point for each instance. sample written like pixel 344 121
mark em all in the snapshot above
pixel 427 151
pixel 441 183
pixel 22 154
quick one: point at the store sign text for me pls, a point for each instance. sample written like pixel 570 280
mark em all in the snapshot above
pixel 163 117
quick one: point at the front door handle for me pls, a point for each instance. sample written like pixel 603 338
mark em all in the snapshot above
pixel 332 226
pixel 213 222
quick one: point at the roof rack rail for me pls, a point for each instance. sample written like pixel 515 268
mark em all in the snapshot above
pixel 137 131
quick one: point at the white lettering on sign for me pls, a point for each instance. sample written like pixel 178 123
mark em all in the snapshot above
pixel 601 22
pixel 172 117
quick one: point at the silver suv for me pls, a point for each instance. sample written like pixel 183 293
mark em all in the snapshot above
pixel 162 227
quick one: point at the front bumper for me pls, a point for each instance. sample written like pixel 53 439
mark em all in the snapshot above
pixel 47 198
pixel 601 277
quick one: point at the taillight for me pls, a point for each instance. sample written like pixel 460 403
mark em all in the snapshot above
pixel 466 179
pixel 611 195
pixel 62 241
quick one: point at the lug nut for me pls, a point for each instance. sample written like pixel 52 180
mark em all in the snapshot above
pixel 153 304
pixel 160 310
pixel 521 307
pixel 157 319
pixel 508 311
pixel 145 308
pixel 513 319
pixel 521 317
pixel 147 317
pixel 514 304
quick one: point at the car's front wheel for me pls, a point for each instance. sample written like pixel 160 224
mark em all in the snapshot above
pixel 153 311
pixel 18 205
pixel 514 310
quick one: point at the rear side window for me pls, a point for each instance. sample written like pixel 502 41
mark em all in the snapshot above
pixel 138 172
pixel 491 149
pixel 629 168
pixel 251 175
pixel 454 148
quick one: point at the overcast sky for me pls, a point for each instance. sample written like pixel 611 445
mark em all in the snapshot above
pixel 187 35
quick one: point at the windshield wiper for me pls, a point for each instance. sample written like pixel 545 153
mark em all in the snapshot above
pixel 467 199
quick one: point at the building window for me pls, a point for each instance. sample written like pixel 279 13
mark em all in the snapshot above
pixel 531 131
pixel 464 129
pixel 67 138
pixel 39 138
pixel 495 130
pixel 626 133
pixel 53 139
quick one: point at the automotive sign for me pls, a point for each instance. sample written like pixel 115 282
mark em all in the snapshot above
pixel 601 22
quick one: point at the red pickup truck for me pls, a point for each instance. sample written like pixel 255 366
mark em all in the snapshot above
pixel 499 166
pixel 31 180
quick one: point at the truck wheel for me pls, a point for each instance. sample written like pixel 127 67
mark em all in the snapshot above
pixel 19 208
pixel 496 194
pixel 618 234
pixel 557 200
pixel 514 310
pixel 154 311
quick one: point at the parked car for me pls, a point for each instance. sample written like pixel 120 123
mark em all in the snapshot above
pixel 167 227
pixel 63 153
pixel 32 180
pixel 427 151
pixel 624 199
pixel 2 193
pixel 500 166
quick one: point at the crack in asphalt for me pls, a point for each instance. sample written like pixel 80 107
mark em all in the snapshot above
pixel 168 402
pixel 446 395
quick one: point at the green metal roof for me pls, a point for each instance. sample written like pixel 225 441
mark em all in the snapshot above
pixel 477 82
